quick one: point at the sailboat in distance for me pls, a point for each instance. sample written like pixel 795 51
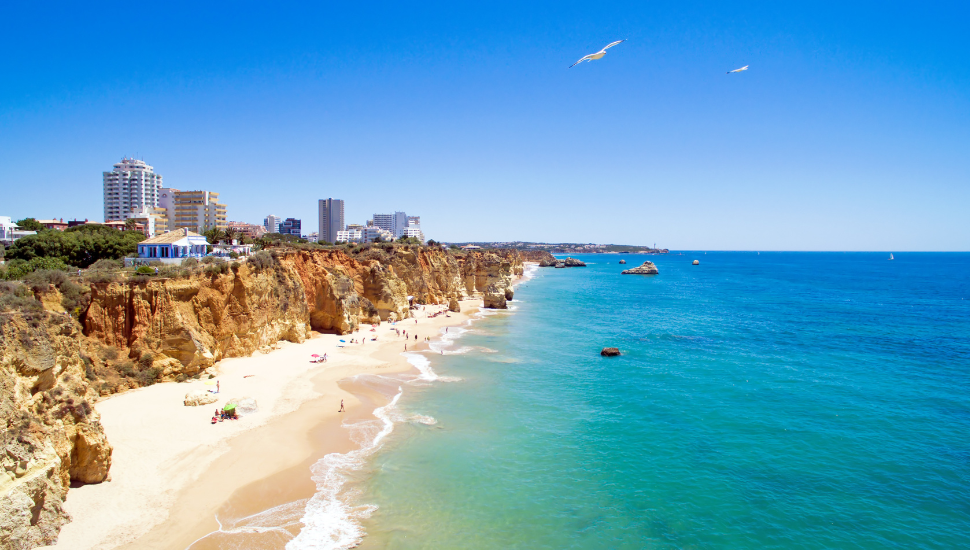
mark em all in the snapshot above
pixel 891 256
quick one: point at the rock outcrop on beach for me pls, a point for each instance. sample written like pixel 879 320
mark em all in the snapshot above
pixel 538 256
pixel 196 398
pixel 51 434
pixel 648 268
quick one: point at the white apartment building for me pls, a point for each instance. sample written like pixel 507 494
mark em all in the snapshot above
pixel 414 231
pixel 272 223
pixel 349 236
pixel 130 185
pixel 395 223
pixel 371 232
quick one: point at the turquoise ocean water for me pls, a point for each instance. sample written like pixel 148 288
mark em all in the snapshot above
pixel 780 400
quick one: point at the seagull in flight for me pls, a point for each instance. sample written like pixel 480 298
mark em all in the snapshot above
pixel 597 55
pixel 745 68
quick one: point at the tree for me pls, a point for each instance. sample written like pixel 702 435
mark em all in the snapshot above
pixel 230 235
pixel 432 242
pixel 130 224
pixel 30 224
pixel 80 246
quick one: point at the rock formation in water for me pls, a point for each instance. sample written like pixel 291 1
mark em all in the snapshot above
pixel 610 352
pixel 622 261
pixel 648 268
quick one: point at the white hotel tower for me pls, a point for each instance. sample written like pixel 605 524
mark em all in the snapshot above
pixel 131 185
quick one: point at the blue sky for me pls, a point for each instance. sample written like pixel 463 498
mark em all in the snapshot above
pixel 851 130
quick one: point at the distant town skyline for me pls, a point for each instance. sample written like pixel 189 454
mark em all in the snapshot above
pixel 849 130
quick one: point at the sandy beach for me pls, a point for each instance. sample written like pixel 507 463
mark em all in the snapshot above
pixel 172 469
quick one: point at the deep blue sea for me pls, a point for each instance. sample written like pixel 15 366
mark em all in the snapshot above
pixel 773 400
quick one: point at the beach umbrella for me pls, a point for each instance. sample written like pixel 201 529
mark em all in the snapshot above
pixel 314 355
pixel 229 407
pixel 344 341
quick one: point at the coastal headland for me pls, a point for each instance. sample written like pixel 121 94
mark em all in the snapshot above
pixel 90 424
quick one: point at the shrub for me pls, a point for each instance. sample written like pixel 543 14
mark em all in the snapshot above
pixel 17 297
pixel 19 268
pixel 109 353
pixel 190 262
pixel 107 265
pixel 146 360
pixel 100 276
pixel 209 259
pixel 145 270
pixel 41 279
pixel 149 376
pixel 233 255
pixel 217 268
pixel 127 369
pixel 261 260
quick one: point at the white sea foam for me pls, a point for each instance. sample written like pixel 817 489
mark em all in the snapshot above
pixel 282 520
pixel 329 522
pixel 423 419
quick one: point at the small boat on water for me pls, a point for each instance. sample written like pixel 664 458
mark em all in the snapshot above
pixel 891 256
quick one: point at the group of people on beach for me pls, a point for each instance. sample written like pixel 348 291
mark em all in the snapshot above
pixel 222 414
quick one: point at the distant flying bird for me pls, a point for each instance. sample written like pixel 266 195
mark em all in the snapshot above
pixel 597 55
pixel 745 68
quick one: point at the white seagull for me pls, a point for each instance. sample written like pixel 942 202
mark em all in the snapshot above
pixel 597 55
pixel 745 68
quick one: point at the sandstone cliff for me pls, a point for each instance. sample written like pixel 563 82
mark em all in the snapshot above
pixel 51 435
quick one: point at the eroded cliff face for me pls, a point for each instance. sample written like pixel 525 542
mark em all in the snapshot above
pixel 189 324
pixel 51 434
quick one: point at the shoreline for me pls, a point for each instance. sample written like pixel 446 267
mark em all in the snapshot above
pixel 172 470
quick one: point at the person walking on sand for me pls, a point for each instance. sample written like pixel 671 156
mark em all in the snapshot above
pixel 217 386
pixel 342 409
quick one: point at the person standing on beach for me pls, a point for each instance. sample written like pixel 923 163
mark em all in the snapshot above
pixel 217 386
pixel 342 409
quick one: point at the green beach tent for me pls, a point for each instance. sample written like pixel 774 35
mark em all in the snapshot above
pixel 229 407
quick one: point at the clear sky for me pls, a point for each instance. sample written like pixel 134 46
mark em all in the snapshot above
pixel 850 131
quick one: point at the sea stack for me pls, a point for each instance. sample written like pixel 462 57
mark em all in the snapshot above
pixel 696 262
pixel 622 261
pixel 610 352
pixel 648 268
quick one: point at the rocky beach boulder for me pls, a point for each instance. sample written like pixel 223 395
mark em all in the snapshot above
pixel 648 268
pixel 196 398
pixel 573 262
pixel 610 352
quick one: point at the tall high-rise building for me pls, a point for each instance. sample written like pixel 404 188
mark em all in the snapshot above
pixel 331 219
pixel 272 223
pixel 192 210
pixel 131 185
